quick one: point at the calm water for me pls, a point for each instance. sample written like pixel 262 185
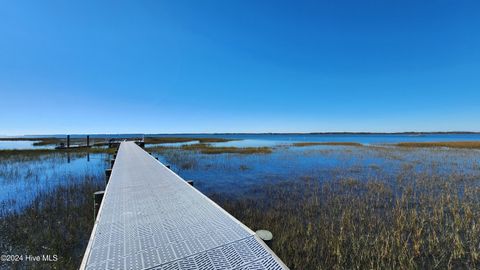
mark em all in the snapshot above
pixel 11 145
pixel 178 144
pixel 274 139
pixel 258 140
pixel 22 179
pixel 236 174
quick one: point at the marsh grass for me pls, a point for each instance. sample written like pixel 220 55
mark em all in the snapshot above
pixel 58 222
pixel 466 144
pixel 206 148
pixel 303 144
pixel 47 205
pixel 33 153
pixel 45 141
pixel 422 220
pixel 158 140
pixel 29 139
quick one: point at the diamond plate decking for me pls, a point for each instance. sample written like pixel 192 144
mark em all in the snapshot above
pixel 150 218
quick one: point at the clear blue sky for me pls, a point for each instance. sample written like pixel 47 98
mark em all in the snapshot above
pixel 238 66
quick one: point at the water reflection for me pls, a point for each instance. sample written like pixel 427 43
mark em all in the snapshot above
pixel 235 174
pixel 23 178
pixel 22 145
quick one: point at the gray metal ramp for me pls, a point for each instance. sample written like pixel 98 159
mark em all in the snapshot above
pixel 150 218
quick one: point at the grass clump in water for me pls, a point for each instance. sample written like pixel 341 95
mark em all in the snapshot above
pixel 45 141
pixel 208 149
pixel 158 140
pixel 466 144
pixel 302 144
pixel 40 152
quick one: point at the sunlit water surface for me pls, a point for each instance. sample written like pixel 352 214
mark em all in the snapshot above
pixel 235 174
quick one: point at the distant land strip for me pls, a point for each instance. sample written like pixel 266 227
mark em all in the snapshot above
pixel 100 135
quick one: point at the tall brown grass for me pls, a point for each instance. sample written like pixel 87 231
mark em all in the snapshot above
pixel 466 144
pixel 422 221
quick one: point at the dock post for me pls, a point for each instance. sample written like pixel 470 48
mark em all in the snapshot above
pixel 112 143
pixel 68 141
pixel 97 201
pixel 108 172
pixel 88 141
pixel 266 236
pixel 190 182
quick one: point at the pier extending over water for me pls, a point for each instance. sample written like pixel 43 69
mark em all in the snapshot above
pixel 150 218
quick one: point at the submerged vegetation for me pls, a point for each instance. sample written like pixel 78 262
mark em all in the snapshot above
pixel 466 144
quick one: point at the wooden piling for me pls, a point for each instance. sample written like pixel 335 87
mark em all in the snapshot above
pixel 88 141
pixel 108 172
pixel 97 201
pixel 68 141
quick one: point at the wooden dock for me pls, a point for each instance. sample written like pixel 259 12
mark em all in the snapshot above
pixel 150 218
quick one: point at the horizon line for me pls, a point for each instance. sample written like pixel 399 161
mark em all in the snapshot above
pixel 249 133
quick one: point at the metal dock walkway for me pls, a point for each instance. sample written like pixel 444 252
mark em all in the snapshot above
pixel 150 218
